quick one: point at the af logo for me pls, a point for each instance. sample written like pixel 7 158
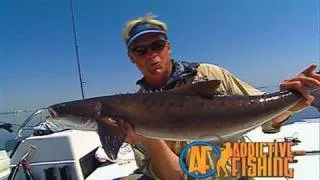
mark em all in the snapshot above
pixel 200 159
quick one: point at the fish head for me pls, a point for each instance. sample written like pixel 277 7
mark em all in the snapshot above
pixel 82 115
pixel 87 115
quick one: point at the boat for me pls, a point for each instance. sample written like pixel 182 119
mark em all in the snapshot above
pixel 73 154
pixel 68 154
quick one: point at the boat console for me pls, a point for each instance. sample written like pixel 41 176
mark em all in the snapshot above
pixel 66 155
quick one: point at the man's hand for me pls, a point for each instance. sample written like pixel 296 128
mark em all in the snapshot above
pixel 164 163
pixel 298 83
pixel 130 135
pixel 306 77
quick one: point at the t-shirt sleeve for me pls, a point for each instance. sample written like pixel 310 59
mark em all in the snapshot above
pixel 230 84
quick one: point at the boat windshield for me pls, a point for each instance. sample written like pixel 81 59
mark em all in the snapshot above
pixel 27 127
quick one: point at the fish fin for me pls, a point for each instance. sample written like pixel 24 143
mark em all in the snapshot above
pixel 110 138
pixel 202 88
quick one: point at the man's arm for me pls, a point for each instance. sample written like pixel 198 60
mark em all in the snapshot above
pixel 164 162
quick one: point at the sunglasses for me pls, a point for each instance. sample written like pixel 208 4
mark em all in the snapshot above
pixel 157 45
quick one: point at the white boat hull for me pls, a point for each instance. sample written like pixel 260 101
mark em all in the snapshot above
pixel 307 166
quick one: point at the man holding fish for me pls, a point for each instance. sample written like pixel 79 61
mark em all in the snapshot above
pixel 180 102
pixel 150 50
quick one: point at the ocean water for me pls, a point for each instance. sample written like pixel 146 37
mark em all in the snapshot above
pixel 18 118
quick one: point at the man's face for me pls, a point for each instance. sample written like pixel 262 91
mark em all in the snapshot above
pixel 151 54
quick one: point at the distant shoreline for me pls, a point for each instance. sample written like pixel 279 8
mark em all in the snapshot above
pixel 15 112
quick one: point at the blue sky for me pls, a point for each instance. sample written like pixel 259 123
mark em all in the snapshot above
pixel 261 42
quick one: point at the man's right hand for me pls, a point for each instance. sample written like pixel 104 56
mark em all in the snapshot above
pixel 164 163
pixel 130 135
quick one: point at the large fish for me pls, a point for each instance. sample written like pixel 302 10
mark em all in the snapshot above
pixel 189 112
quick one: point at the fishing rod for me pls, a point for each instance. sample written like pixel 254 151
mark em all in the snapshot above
pixel 76 48
pixel 306 153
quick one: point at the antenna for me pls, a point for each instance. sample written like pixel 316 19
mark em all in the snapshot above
pixel 76 47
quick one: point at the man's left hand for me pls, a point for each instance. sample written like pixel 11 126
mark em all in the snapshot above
pixel 298 83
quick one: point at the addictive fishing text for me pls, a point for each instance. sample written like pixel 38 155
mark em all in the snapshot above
pixel 251 159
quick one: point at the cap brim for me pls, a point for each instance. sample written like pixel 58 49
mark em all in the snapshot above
pixel 136 36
